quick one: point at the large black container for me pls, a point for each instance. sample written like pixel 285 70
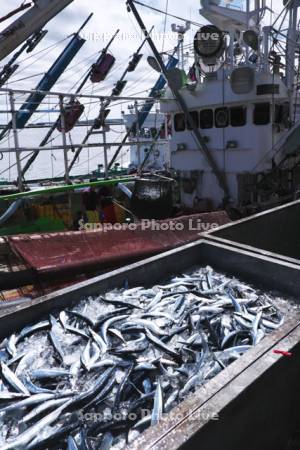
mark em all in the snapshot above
pixel 256 399
pixel 152 199
pixel 275 232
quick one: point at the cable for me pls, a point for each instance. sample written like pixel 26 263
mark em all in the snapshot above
pixel 168 14
pixel 25 78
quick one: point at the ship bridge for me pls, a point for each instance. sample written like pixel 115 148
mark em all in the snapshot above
pixel 240 96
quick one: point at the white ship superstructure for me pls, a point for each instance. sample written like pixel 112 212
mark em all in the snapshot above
pixel 241 99
pixel 159 157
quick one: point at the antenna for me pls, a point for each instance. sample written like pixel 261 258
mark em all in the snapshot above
pixel 181 30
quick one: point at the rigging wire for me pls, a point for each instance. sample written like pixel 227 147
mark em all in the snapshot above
pixel 75 67
pixel 25 78
pixel 168 14
pixel 32 122
pixel 32 55
pixel 285 9
pixel 49 102
pixel 43 115
pixel 98 155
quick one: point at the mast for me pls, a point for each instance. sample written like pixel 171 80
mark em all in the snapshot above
pixel 32 21
pixel 16 139
pixel 198 136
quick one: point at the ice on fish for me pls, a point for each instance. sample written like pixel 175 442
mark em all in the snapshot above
pixel 127 351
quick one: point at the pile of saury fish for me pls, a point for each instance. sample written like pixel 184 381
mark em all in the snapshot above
pixel 84 377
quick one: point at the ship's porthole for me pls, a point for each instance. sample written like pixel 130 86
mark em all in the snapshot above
pixel 222 117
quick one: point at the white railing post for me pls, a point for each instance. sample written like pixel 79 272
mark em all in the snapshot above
pixel 64 137
pixel 16 139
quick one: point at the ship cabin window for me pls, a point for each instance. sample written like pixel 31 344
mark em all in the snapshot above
pixel 222 117
pixel 179 122
pixel 278 114
pixel 238 116
pixel 282 114
pixel 206 119
pixel 262 112
pixel 195 117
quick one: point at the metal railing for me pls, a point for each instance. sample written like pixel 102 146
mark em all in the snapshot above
pixel 60 100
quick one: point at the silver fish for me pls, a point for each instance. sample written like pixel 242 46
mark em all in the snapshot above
pixel 49 404
pixel 157 406
pixel 90 355
pixel 24 438
pixel 108 324
pixel 13 380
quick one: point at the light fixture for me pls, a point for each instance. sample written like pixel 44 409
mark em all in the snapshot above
pixel 153 63
pixel 250 38
pixel 181 147
pixel 232 144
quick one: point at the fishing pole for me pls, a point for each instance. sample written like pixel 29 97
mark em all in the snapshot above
pixel 53 127
pixel 101 114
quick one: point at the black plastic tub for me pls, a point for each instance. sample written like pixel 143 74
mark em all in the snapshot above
pixel 256 399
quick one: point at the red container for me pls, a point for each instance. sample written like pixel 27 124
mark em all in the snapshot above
pixel 73 112
pixel 102 68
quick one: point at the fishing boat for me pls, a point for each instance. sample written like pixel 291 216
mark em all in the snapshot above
pixel 225 136
pixel 32 205
pixel 234 113
pixel 232 118
pixel 235 119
